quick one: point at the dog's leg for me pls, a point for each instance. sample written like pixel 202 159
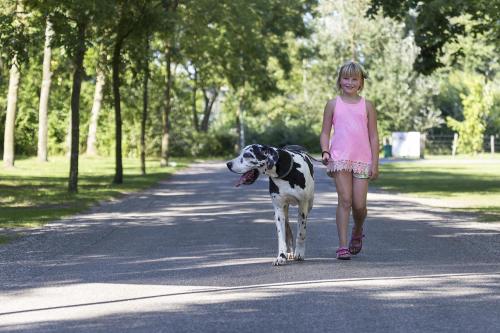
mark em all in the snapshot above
pixel 279 218
pixel 300 243
pixel 289 235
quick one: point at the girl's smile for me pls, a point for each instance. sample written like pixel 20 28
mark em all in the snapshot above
pixel 350 84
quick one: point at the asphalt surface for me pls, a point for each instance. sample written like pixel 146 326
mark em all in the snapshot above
pixel 194 254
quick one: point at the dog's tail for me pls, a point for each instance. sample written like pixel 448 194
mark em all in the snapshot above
pixel 295 148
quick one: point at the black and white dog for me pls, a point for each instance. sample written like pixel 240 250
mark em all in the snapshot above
pixel 291 181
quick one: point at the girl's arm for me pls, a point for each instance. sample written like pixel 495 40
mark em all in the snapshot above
pixel 324 138
pixel 373 136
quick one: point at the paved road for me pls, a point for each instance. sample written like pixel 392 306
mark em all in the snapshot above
pixel 194 254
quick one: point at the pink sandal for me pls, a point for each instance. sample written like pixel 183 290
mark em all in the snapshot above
pixel 356 243
pixel 343 253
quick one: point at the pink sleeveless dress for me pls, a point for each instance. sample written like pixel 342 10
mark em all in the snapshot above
pixel 350 145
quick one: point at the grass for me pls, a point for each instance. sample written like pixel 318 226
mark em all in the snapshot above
pixel 33 193
pixel 4 239
pixel 464 184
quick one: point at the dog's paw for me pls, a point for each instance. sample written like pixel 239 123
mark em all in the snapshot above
pixel 280 260
pixel 299 255
pixel 290 256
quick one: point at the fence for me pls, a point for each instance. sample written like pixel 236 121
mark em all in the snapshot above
pixel 442 144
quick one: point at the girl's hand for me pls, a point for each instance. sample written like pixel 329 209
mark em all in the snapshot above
pixel 325 157
pixel 374 172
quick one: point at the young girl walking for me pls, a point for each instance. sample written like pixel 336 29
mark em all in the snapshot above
pixel 351 154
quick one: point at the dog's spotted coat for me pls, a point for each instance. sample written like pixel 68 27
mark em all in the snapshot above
pixel 291 181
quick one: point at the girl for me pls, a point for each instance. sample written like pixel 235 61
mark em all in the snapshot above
pixel 351 156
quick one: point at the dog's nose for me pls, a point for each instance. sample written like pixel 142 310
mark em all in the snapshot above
pixel 229 165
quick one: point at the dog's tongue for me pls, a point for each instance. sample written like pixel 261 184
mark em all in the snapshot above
pixel 246 178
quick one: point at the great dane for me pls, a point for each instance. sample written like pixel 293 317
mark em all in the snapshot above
pixel 291 181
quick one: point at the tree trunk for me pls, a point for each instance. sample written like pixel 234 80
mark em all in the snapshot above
pixel 118 179
pixel 10 120
pixel 44 96
pixel 94 116
pixel 144 108
pixel 210 99
pixel 196 124
pixel 166 112
pixel 170 7
pixel 240 123
pixel 68 138
pixel 75 108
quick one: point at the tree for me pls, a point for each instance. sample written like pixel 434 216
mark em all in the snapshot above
pixel 145 104
pixel 476 106
pixel 97 103
pixel 10 119
pixel 81 27
pixel 44 95
pixel 14 37
pixel 169 26
pixel 140 55
pixel 72 23
pixel 403 97
pixel 202 55
pixel 433 24
pixel 131 15
pixel 234 40
pixel 253 39
pixel 122 30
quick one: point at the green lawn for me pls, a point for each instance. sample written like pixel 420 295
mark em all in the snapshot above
pixel 467 184
pixel 34 193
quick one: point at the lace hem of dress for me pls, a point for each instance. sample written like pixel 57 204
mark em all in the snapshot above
pixel 347 165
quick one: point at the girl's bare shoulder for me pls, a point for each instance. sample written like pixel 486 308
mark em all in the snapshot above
pixel 369 104
pixel 330 105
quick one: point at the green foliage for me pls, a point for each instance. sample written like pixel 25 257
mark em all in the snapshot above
pixel 434 24
pixel 281 134
pixel 478 64
pixel 217 142
pixel 20 30
pixel 402 97
pixel 476 105
pixel 258 50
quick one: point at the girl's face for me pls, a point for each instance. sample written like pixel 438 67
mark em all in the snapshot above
pixel 350 84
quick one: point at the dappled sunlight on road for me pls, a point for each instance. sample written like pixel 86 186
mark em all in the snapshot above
pixel 82 303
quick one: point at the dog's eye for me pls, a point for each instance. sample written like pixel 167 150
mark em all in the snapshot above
pixel 247 155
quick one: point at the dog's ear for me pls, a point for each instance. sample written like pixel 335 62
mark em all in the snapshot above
pixel 271 157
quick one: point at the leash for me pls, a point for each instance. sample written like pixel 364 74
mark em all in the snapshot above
pixel 314 159
pixel 301 150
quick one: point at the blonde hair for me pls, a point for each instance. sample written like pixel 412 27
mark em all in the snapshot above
pixel 352 69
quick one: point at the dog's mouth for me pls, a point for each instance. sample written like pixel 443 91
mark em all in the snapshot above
pixel 248 177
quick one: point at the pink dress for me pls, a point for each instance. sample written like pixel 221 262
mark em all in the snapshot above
pixel 350 145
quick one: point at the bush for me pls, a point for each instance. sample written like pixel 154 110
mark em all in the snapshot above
pixel 280 135
pixel 219 142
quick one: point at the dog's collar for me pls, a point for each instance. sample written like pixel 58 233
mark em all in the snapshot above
pixel 280 158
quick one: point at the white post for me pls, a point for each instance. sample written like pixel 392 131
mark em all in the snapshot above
pixel 492 144
pixel 455 143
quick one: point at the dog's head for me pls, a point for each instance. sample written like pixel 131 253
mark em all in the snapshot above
pixel 253 160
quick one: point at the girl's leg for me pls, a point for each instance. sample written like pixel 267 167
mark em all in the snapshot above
pixel 343 183
pixel 359 192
